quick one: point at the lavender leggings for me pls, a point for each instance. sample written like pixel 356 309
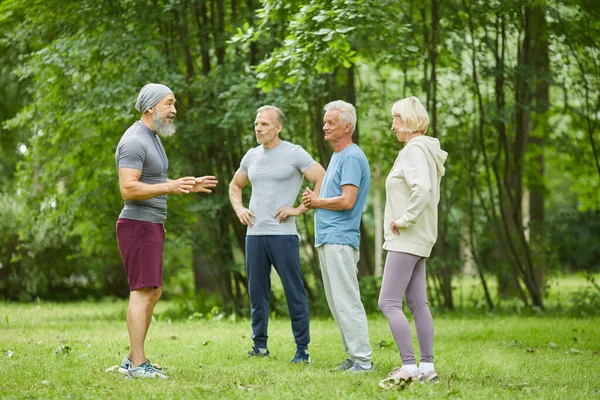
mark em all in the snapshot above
pixel 404 276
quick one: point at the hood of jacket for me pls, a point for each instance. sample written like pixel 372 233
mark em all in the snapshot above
pixel 431 146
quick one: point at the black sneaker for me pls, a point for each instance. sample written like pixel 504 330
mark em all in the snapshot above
pixel 258 352
pixel 301 357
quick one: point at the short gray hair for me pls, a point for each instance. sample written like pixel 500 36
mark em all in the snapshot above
pixel 280 116
pixel 347 112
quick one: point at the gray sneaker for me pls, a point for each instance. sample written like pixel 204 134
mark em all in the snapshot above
pixel 146 370
pixel 359 369
pixel 344 366
pixel 125 365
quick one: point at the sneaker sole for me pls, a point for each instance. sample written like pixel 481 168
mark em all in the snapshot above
pixel 363 371
pixel 122 370
pixel 434 381
pixel 301 362
pixel 128 376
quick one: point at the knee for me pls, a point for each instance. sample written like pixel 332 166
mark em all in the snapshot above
pixel 388 305
pixel 151 296
pixel 155 294
pixel 415 305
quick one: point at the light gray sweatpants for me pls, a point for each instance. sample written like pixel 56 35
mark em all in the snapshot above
pixel 339 270
pixel 404 276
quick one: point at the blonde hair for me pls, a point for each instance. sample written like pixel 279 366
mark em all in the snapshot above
pixel 412 113
pixel 280 116
pixel 347 112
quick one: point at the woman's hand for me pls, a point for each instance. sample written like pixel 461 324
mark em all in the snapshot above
pixel 394 228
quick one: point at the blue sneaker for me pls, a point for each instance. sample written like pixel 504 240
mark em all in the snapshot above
pixel 301 357
pixel 258 352
pixel 125 365
pixel 146 370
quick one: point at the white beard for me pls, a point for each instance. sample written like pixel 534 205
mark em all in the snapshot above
pixel 163 127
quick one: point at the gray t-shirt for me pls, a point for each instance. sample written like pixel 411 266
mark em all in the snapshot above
pixel 141 149
pixel 276 176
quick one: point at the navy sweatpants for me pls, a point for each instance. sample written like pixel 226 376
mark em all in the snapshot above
pixel 282 252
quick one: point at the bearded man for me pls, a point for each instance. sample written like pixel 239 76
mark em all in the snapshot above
pixel 142 166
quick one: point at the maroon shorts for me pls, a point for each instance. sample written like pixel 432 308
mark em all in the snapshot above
pixel 141 245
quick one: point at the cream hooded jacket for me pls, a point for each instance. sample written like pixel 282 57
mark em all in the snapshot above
pixel 412 197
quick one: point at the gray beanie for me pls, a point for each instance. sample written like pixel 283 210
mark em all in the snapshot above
pixel 151 94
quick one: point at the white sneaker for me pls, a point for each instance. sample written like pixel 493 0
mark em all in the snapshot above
pixel 398 378
pixel 430 376
pixel 146 370
pixel 125 365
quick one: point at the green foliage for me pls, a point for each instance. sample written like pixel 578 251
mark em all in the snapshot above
pixel 69 73
pixel 574 236
pixel 323 36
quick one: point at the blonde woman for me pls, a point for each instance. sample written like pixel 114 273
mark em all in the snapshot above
pixel 410 231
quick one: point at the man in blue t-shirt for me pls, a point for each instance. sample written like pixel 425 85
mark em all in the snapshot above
pixel 339 207
pixel 276 169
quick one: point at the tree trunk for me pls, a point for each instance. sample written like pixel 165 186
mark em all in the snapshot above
pixel 182 28
pixel 219 31
pixel 378 206
pixel 205 277
pixel 432 61
pixel 541 99
pixel 203 33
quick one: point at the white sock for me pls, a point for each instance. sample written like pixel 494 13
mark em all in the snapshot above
pixel 411 368
pixel 426 367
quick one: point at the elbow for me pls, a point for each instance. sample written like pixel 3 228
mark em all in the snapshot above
pixel 423 193
pixel 233 190
pixel 348 204
pixel 126 195
pixel 234 187
pixel 427 197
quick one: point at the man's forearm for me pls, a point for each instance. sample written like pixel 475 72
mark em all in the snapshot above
pixel 339 203
pixel 235 197
pixel 137 190
pixel 302 209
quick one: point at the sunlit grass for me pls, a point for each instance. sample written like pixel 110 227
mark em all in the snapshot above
pixel 480 356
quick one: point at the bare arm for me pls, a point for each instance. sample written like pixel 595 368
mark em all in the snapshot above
pixel 132 189
pixel 346 201
pixel 315 176
pixel 240 180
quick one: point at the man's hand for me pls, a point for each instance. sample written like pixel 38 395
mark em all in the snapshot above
pixel 309 198
pixel 181 185
pixel 201 184
pixel 245 216
pixel 284 212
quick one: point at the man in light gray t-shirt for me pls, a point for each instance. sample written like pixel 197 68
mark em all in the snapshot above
pixel 276 170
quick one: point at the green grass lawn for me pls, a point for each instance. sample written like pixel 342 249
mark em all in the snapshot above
pixel 493 356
